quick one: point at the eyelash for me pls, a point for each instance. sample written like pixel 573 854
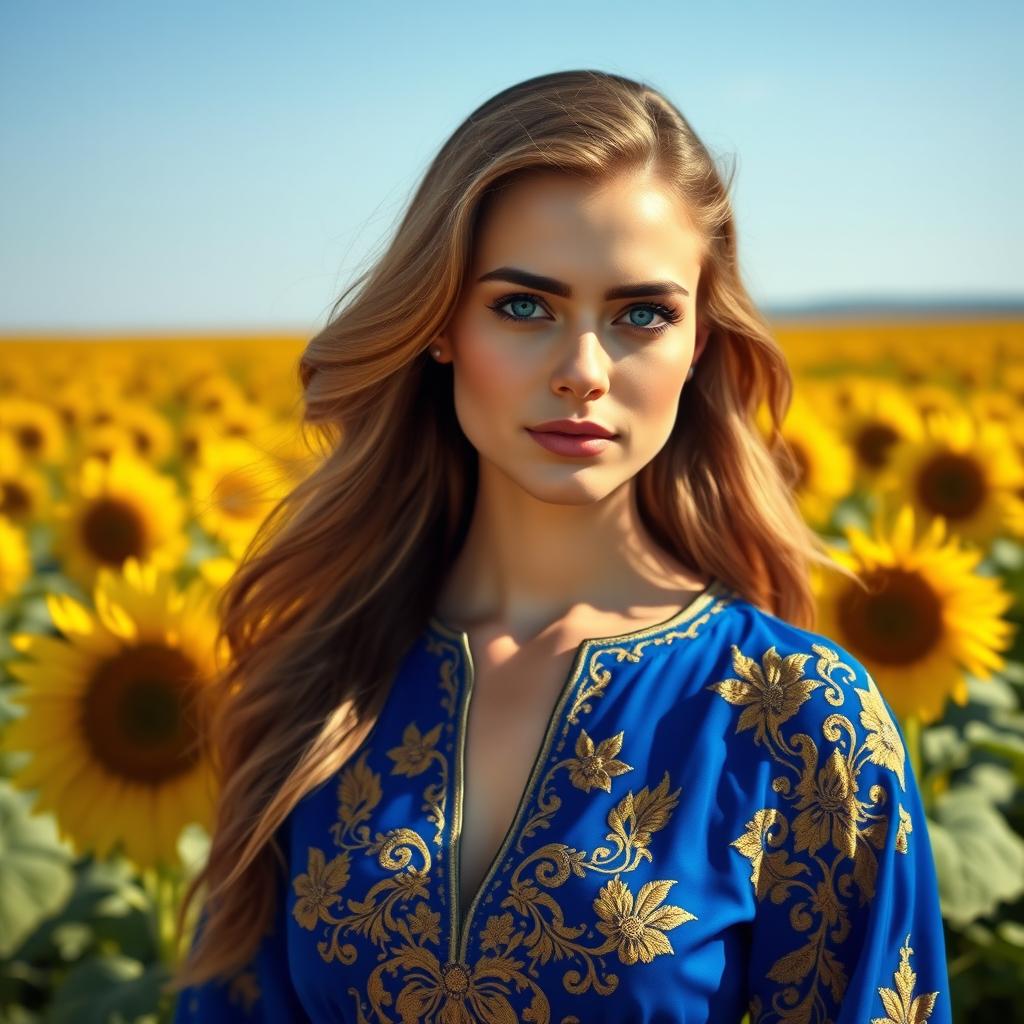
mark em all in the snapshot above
pixel 670 314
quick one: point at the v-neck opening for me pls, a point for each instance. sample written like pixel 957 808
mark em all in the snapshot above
pixel 462 918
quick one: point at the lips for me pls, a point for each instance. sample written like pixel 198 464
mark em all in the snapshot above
pixel 570 444
pixel 574 428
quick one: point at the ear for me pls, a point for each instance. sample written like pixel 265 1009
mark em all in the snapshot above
pixel 439 341
pixel 701 339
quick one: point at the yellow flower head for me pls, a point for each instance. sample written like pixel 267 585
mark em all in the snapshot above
pixel 926 618
pixel 118 509
pixel 965 470
pixel 112 709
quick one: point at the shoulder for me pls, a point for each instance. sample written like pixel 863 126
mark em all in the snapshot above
pixel 800 696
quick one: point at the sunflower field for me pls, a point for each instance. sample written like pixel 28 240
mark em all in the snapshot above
pixel 134 472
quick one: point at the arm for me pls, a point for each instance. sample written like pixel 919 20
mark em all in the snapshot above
pixel 847 926
pixel 261 992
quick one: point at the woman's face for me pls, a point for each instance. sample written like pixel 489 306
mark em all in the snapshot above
pixel 571 352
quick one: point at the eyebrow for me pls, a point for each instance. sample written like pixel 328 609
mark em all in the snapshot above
pixel 549 284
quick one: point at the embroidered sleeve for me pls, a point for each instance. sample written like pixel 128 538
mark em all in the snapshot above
pixel 847 925
pixel 261 992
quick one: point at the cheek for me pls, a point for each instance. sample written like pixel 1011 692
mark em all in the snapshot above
pixel 655 391
pixel 489 377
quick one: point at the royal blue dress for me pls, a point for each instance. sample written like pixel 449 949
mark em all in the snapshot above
pixel 721 818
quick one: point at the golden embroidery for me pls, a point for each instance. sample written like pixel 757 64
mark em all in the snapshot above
pixel 901 1005
pixel 416 753
pixel 593 766
pixel 245 989
pixel 415 756
pixel 318 889
pixel 772 691
pixel 638 931
pixel 531 929
pixel 904 827
pixel 792 858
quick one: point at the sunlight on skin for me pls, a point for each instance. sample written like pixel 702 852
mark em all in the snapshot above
pixel 552 532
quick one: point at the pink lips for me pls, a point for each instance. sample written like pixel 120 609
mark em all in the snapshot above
pixel 570 444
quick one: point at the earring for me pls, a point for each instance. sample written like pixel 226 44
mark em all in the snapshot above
pixel 437 353
pixel 689 373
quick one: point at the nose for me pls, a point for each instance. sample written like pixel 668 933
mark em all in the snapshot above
pixel 583 367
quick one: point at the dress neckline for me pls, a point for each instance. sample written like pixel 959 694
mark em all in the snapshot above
pixel 714 588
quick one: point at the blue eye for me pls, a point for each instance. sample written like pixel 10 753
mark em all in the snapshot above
pixel 525 303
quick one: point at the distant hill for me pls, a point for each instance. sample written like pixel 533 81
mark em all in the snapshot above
pixel 835 310
pixel 896 308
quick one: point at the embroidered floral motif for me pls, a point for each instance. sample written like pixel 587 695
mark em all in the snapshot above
pixel 792 858
pixel 638 932
pixel 593 767
pixel 416 753
pixel 318 889
pixel 245 990
pixel 901 1005
pixel 412 980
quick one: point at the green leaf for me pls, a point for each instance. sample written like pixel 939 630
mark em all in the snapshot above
pixel 108 988
pixel 35 868
pixel 1002 743
pixel 979 859
pixel 108 899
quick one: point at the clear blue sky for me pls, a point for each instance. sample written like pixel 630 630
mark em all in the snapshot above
pixel 232 164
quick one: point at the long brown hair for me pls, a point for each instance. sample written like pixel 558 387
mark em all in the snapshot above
pixel 345 571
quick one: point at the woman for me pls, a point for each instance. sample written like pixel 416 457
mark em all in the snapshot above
pixel 526 717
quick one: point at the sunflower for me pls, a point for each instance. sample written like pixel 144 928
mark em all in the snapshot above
pixel 24 490
pixel 965 470
pixel 117 510
pixel 825 464
pixel 877 416
pixel 151 434
pixel 15 560
pixel 926 618
pixel 928 397
pixel 214 393
pixel 217 570
pixel 1011 382
pixel 37 429
pixel 111 713
pixel 993 404
pixel 101 440
pixel 234 486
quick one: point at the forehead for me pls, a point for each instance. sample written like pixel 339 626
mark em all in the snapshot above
pixel 550 222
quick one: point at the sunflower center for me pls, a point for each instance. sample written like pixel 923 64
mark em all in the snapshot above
pixel 14 499
pixel 631 927
pixel 897 623
pixel 29 437
pixel 137 715
pixel 951 485
pixel 112 530
pixel 235 495
pixel 872 444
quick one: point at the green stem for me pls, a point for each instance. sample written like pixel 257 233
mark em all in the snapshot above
pixel 163 883
pixel 912 733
